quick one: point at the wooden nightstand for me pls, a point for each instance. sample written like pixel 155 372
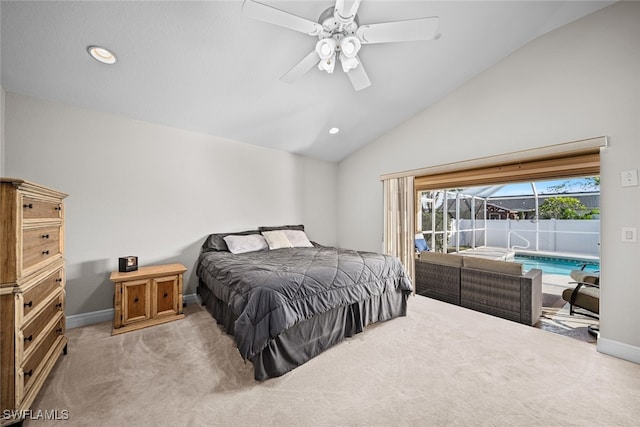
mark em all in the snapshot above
pixel 147 297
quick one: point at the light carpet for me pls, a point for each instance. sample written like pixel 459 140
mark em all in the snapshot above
pixel 439 365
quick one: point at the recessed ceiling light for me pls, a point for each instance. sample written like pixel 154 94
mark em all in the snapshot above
pixel 101 54
pixel 333 131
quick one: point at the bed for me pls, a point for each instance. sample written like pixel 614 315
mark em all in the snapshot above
pixel 285 303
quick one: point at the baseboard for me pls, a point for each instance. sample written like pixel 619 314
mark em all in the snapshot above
pixel 85 319
pixel 191 299
pixel 619 350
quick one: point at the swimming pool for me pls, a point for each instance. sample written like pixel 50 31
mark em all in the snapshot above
pixel 553 265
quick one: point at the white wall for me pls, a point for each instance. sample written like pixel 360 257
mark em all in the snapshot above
pixel 1 109
pixel 580 81
pixel 2 131
pixel 142 189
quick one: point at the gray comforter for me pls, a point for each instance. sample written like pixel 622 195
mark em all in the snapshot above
pixel 270 291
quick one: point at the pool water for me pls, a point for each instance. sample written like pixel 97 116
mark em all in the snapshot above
pixel 550 265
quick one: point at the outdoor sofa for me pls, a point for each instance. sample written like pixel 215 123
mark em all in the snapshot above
pixel 499 288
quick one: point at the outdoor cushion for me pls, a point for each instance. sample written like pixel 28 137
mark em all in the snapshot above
pixel 588 298
pixel 504 267
pixel 585 276
pixel 421 245
pixel 442 259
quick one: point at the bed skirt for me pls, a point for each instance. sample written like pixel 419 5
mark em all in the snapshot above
pixel 308 339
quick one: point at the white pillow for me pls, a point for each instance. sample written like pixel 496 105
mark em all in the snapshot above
pixel 298 238
pixel 277 239
pixel 249 243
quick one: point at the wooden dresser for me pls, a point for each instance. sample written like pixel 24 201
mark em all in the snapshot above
pixel 32 327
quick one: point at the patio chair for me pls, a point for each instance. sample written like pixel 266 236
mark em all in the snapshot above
pixel 584 296
pixel 420 243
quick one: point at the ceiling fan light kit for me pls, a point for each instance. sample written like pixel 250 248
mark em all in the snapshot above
pixel 350 46
pixel 327 64
pixel 341 36
pixel 326 48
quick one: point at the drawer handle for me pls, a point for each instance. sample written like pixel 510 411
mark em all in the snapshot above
pixel 29 206
pixel 58 208
pixel 45 252
pixel 29 338
pixel 166 295
pixel 28 374
pixel 45 236
pixel 59 305
pixel 28 304
pixel 135 300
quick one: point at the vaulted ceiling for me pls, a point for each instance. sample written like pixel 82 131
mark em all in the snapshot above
pixel 205 67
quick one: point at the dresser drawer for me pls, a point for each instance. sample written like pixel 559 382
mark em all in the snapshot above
pixel 39 293
pixel 34 331
pixel 33 365
pixel 33 208
pixel 39 245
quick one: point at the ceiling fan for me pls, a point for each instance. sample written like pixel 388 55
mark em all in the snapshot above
pixel 340 36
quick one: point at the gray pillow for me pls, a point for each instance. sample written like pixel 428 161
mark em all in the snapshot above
pixel 215 242
pixel 282 227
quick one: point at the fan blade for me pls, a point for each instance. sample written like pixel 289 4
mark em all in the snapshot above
pixel 301 67
pixel 346 13
pixel 359 78
pixel 399 31
pixel 262 12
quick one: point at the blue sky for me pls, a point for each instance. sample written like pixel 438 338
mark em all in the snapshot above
pixel 574 184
